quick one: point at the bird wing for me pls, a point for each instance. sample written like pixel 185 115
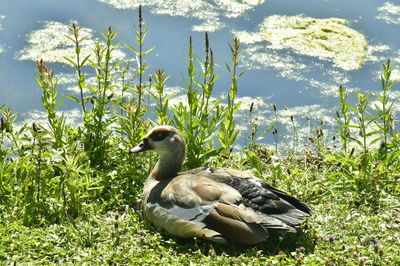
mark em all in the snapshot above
pixel 193 205
pixel 268 202
pixel 222 204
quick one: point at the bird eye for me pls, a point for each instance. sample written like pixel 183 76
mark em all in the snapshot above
pixel 159 136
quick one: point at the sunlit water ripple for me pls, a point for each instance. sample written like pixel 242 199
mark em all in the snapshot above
pixel 300 76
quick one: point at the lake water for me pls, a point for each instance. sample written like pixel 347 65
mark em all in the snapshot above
pixel 300 79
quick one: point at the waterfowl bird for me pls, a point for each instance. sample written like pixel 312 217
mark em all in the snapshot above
pixel 222 205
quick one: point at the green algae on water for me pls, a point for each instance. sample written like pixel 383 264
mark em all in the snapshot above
pixel 208 12
pixel 327 39
pixel 54 51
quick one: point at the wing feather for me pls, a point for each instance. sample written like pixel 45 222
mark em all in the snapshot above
pixel 221 204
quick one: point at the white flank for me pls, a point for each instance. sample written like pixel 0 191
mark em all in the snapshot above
pixel 196 214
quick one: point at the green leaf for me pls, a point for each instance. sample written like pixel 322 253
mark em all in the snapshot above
pixel 233 137
pixel 355 140
pixel 148 51
pixel 60 103
pixel 70 61
pixel 72 98
pixel 83 38
pixel 242 73
pixel 85 59
pixel 227 66
pixel 70 38
pixel 132 49
pixel 352 108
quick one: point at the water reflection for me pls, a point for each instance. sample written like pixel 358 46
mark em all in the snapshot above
pixel 51 44
pixel 209 12
pixel 2 49
pixel 390 13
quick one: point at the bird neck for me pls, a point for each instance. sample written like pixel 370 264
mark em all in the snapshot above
pixel 168 166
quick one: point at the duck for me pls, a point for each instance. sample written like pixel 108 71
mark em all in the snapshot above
pixel 221 205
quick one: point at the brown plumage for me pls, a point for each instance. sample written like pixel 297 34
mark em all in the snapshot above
pixel 219 204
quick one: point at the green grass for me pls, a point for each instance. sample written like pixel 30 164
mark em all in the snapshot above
pixel 71 194
pixel 342 230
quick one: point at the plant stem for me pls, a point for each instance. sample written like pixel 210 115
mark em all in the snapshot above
pixel 75 31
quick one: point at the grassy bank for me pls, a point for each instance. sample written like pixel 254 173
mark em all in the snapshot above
pixel 71 193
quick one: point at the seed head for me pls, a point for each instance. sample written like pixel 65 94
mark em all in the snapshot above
pixel 2 124
pixel 35 127
pixel 140 16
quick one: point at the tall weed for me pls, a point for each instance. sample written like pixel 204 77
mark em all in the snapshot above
pixel 228 132
pixel 198 120
pixel 367 165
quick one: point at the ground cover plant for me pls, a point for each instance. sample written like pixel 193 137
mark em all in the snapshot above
pixel 71 193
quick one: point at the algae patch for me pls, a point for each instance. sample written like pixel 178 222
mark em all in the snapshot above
pixel 51 44
pixel 327 39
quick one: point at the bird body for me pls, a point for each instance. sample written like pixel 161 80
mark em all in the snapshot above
pixel 218 204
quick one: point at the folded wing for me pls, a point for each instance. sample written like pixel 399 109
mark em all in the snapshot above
pixel 222 205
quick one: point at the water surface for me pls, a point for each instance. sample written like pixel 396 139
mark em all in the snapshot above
pixel 301 83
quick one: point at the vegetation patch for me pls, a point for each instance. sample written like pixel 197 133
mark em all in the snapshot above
pixel 327 39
